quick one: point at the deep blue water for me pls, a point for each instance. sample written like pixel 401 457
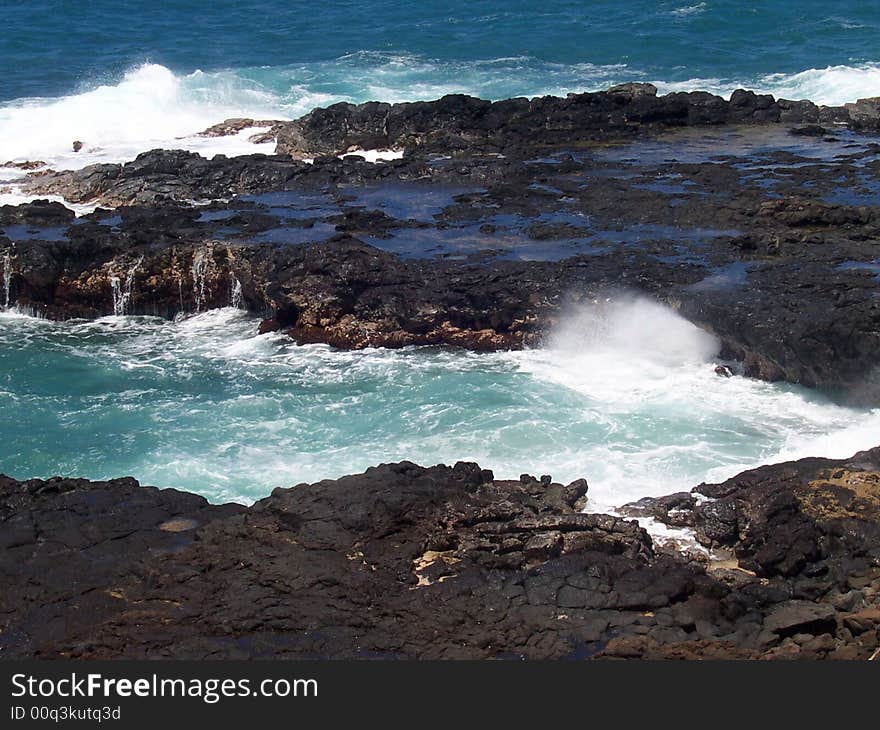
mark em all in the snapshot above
pixel 52 47
pixel 126 76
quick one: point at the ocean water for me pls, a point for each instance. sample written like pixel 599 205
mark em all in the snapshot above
pixel 122 76
pixel 625 395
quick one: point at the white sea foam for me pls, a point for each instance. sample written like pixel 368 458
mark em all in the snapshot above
pixel 626 396
pixel 642 369
pixel 376 155
pixel 689 10
pixel 152 107
pixel 833 86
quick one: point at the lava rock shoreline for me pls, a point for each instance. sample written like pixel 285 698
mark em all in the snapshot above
pixel 406 562
pixel 757 219
pixel 748 216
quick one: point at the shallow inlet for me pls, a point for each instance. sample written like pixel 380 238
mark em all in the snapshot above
pixel 625 395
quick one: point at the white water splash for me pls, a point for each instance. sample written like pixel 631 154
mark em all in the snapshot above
pixel 200 263
pixel 149 107
pixel 235 297
pixel 832 85
pixel 633 331
pixel 7 278
pixel 689 10
pixel 646 378
pixel 180 294
pixel 121 290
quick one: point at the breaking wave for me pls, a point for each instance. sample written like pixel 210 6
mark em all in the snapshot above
pixel 625 395
pixel 151 106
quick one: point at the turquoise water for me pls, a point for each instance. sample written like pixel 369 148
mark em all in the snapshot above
pixel 625 396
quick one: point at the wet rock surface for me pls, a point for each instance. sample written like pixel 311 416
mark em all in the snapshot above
pixel 758 219
pixel 445 562
pixel 463 122
pixel 766 238
pixel 496 222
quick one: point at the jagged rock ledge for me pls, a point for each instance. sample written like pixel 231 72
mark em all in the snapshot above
pixel 446 562
pixel 454 124
pixel 457 122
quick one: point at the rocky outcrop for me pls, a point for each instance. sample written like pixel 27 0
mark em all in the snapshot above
pixel 161 176
pixel 770 243
pixel 865 113
pixel 166 175
pixel 457 122
pixel 441 563
pixel 267 129
pixel 806 212
pixel 66 543
pixel 777 520
pixel 24 165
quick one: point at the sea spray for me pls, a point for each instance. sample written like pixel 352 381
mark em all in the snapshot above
pixel 118 297
pixel 7 278
pixel 121 290
pixel 235 295
pixel 150 106
pixel 200 262
pixel 630 328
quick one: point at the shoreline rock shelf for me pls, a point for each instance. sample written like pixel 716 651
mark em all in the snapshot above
pixel 757 219
pixel 444 563
pixel 769 240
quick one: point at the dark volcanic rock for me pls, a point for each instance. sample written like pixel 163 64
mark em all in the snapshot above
pixel 796 212
pixel 167 175
pixel 407 562
pixel 865 113
pixel 235 125
pixel 500 219
pixel 458 122
pixel 801 617
pixel 39 212
pixel 68 545
pixel 814 516
pixel 809 130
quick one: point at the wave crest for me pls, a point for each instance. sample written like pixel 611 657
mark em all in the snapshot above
pixel 151 106
pixel 832 86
